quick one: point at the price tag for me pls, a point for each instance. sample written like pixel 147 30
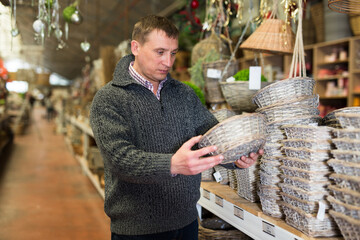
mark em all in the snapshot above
pixel 219 201
pixel 217 176
pixel 321 212
pixel 213 73
pixel 268 228
pixel 255 78
pixel 238 212
pixel 206 194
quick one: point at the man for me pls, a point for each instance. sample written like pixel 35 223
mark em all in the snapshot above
pixel 146 125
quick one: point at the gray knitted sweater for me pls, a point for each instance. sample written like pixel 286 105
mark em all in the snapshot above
pixel 137 135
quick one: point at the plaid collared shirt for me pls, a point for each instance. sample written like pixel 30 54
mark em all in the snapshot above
pixel 145 82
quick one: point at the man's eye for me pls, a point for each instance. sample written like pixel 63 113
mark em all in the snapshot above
pixel 160 52
pixel 173 53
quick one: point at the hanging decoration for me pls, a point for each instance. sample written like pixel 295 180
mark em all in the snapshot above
pixel 14 29
pixel 56 26
pixel 85 45
pixel 72 15
pixel 345 6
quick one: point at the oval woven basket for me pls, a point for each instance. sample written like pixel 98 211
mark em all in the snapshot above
pixel 347 133
pixel 283 113
pixel 347 144
pixel 348 120
pixel 222 114
pixel 238 95
pixel 283 91
pixel 236 136
pixel 331 115
pixel 349 226
pixel 309 101
pixel 295 131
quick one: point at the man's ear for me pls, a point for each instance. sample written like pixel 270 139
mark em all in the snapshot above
pixel 135 47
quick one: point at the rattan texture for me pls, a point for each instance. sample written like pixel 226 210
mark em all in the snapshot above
pixel 287 112
pixel 305 164
pixel 222 114
pixel 307 154
pixel 302 194
pixel 238 95
pixel 308 175
pixel 232 179
pixel 210 234
pixel 331 115
pixel 269 179
pixel 224 174
pixel 348 156
pixel 308 101
pixel 304 119
pixel 344 181
pixel 236 136
pixel 345 195
pixel 284 90
pixel 347 144
pixel 351 7
pixel 346 133
pixel 346 168
pixel 271 206
pixel 308 223
pixel 207 175
pixel 270 192
pixel 348 120
pixel 294 131
pixel 349 227
pixel 349 210
pixel 270 167
pixel 273 149
pixel 314 144
pixel 306 206
pixel 306 185
pixel 274 138
pixel 247 182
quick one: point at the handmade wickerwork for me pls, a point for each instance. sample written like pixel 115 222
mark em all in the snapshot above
pixel 213 93
pixel 306 206
pixel 270 167
pixel 307 154
pixel 305 164
pixel 348 120
pixel 222 114
pixel 346 168
pixel 308 101
pixel 306 184
pixel 236 136
pixel 247 180
pixel 308 175
pixel 269 180
pixel 238 95
pixel 347 144
pixel 287 112
pixel 331 115
pixel 284 90
pixel 210 234
pixel 274 138
pixel 270 192
pixel 307 132
pixel 232 179
pixel 345 195
pixel 270 206
pixel 207 175
pixel 344 181
pixel 304 120
pixel 349 227
pixel 224 174
pixel 349 210
pixel 308 223
pixel 348 156
pixel 347 133
pixel 314 144
pixel 302 194
pixel 273 149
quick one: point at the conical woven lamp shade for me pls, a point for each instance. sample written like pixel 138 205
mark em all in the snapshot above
pixel 270 37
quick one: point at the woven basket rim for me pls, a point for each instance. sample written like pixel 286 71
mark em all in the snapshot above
pixel 343 163
pixel 345 177
pixel 344 217
pixel 344 190
pixel 331 199
pixel 263 110
pixel 338 151
pixel 350 130
pixel 299 99
pixel 294 118
pixel 307 140
pixel 306 150
pixel 351 140
pixel 349 115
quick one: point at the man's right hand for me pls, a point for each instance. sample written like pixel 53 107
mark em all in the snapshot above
pixel 191 162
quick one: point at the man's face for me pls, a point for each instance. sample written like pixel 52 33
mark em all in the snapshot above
pixel 155 57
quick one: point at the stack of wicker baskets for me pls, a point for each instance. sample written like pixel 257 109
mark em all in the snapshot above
pixel 345 201
pixel 285 102
pixel 235 137
pixel 306 177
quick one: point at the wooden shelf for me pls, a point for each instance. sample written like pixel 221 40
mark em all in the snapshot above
pixel 334 77
pixel 332 63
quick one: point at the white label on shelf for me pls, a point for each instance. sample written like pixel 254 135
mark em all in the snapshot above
pixel 321 212
pixel 238 212
pixel 219 201
pixel 254 78
pixel 217 176
pixel 206 194
pixel 213 73
pixel 268 228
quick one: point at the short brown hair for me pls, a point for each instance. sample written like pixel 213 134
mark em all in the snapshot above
pixel 149 23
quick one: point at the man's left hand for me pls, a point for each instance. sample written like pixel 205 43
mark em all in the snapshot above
pixel 245 162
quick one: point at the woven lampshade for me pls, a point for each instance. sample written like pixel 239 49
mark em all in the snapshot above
pixel 345 6
pixel 270 37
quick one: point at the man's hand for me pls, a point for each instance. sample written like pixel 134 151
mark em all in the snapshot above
pixel 245 162
pixel 188 162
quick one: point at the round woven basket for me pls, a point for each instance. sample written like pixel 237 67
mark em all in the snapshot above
pixel 236 136
pixel 288 112
pixel 222 114
pixel 238 95
pixel 349 226
pixel 309 101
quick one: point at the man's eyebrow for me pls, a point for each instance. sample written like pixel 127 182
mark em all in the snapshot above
pixel 165 49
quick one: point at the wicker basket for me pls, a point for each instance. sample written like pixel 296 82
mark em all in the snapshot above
pixel 304 174
pixel 308 223
pixel 307 132
pixel 345 195
pixel 344 181
pixel 349 210
pixel 232 178
pixel 287 112
pixel 271 206
pixel 239 96
pixel 306 184
pixel 236 136
pixel 273 149
pixel 307 154
pixel 224 174
pixel 207 175
pixel 346 133
pixel 347 144
pixel 302 194
pixel 309 101
pixel 349 227
pixel 223 114
pixel 284 90
pixel 270 192
pixel 303 120
pixel 270 167
pixel 346 168
pixel 213 92
pixel 306 206
pixel 331 115
pixel 348 156
pixel 269 179
pixel 305 164
pixel 313 144
pixel 348 120
pixel 209 234
pixel 247 181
